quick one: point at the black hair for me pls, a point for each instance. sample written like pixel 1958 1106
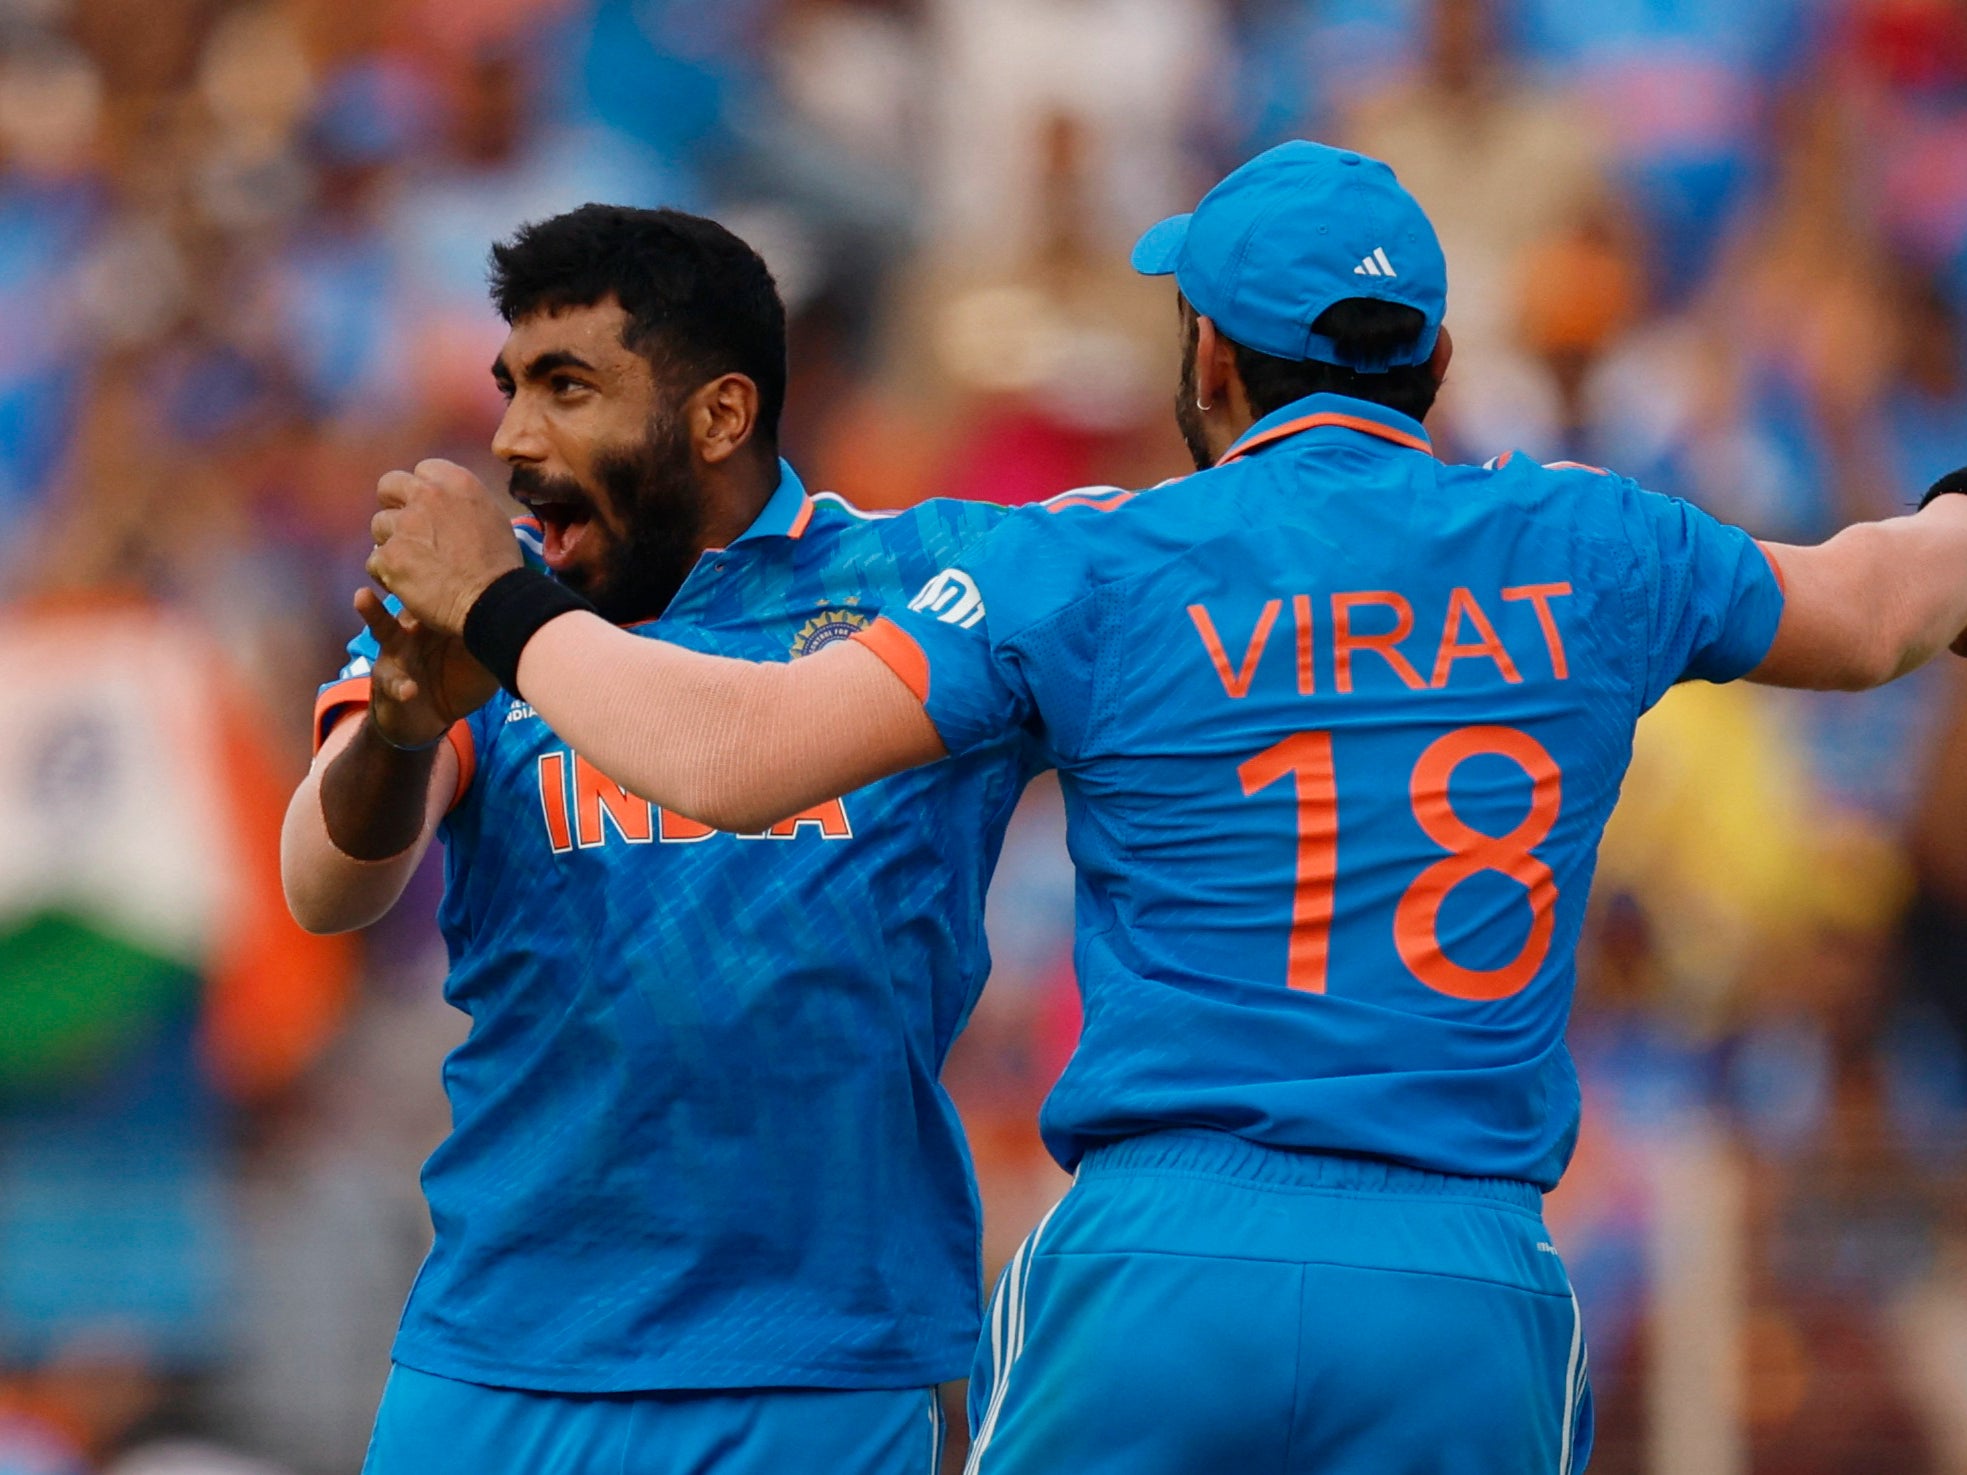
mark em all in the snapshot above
pixel 1364 326
pixel 700 302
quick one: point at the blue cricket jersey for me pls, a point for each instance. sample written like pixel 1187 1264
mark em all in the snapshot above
pixel 1338 727
pixel 697 1135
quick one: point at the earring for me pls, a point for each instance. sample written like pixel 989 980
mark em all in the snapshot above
pixel 1202 407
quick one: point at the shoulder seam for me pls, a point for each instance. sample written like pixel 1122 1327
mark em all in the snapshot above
pixel 1638 613
pixel 1097 585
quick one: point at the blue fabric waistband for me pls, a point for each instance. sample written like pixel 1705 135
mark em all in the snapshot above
pixel 1197 1152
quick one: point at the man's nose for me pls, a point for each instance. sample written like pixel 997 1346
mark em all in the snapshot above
pixel 518 438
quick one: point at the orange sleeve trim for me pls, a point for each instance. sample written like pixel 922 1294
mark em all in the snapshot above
pixel 353 692
pixel 530 523
pixel 901 654
pixel 1504 459
pixel 1575 466
pixel 467 750
pixel 801 518
pixel 1782 584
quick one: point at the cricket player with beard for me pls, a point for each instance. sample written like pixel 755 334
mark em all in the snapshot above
pixel 704 1205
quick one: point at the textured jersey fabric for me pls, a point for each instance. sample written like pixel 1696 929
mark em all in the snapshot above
pixel 1338 727
pixel 697 1137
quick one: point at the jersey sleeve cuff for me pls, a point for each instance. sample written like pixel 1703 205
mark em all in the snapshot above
pixel 901 653
pixel 1775 567
pixel 354 692
pixel 328 706
pixel 1756 618
pixel 463 744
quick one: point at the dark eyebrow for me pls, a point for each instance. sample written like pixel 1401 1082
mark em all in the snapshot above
pixel 553 359
pixel 501 375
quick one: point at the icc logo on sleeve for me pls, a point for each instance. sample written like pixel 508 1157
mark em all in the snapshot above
pixel 952 597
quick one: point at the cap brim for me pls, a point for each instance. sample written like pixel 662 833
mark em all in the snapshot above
pixel 1156 252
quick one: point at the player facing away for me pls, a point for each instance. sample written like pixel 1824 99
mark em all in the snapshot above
pixel 704 1205
pixel 1339 727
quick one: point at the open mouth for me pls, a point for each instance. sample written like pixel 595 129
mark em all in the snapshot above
pixel 564 524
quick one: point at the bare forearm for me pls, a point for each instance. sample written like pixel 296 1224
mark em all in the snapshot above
pixel 1921 566
pixel 377 799
pixel 372 795
pixel 1876 601
pixel 734 744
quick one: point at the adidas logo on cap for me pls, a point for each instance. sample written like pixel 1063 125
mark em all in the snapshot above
pixel 1375 265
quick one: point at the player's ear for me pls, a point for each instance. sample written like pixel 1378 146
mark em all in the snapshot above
pixel 721 416
pixel 1444 349
pixel 1215 363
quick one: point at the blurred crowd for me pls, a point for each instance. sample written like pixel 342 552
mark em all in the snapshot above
pixel 1718 245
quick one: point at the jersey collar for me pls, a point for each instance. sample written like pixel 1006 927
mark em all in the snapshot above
pixel 786 511
pixel 785 515
pixel 1330 411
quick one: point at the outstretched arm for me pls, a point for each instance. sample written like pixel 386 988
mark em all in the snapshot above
pixel 1876 601
pixel 737 745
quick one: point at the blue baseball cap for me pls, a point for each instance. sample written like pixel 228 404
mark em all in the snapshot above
pixel 1296 229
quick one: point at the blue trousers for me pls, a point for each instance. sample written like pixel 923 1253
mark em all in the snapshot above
pixel 1199 1305
pixel 429 1425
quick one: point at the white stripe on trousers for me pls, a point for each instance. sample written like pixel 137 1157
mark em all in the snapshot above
pixel 1573 1386
pixel 1007 1335
pixel 938 1429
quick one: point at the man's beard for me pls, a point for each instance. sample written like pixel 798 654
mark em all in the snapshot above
pixel 1188 411
pixel 654 504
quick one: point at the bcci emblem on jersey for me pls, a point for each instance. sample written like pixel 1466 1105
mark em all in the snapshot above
pixel 826 627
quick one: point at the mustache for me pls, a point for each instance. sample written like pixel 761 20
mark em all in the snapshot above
pixel 529 484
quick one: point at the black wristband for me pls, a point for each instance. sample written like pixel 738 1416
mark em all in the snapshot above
pixel 1953 481
pixel 508 614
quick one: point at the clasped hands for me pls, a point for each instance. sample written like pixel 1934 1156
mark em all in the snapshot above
pixel 441 537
